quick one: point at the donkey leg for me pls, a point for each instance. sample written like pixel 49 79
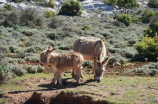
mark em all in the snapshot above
pixel 60 78
pixel 72 74
pixel 78 75
pixel 55 78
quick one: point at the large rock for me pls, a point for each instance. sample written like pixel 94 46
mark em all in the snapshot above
pixel 3 1
pixel 93 5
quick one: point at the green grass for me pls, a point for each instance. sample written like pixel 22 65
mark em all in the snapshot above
pixel 120 89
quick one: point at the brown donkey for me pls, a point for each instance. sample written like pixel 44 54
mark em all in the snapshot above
pixel 92 48
pixel 61 63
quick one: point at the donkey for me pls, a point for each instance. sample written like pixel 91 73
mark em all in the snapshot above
pixel 61 63
pixel 92 48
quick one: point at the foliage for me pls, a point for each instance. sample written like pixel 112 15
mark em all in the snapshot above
pixel 71 8
pixel 151 69
pixel 147 47
pixel 49 14
pixel 32 18
pixel 12 19
pixel 4 73
pixel 49 4
pixel 110 2
pixel 17 1
pixel 127 4
pixel 153 4
pixel 124 18
pixel 16 68
pixel 55 22
pixel 145 16
pixel 87 27
pixel 149 32
pixel 8 7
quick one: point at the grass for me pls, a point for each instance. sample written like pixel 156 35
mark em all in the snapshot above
pixel 119 89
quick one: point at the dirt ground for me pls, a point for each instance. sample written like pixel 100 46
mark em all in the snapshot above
pixel 49 95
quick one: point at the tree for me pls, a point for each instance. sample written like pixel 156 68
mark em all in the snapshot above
pixel 110 2
pixel 71 8
pixel 127 4
pixel 125 18
pixel 147 47
pixel 153 4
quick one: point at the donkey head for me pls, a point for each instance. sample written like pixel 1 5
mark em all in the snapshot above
pixel 44 56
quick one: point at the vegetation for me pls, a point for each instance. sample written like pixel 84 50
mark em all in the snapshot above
pixel 71 8
pixel 49 14
pixel 125 18
pixel 146 15
pixel 110 2
pixel 127 4
pixel 49 4
pixel 17 1
pixel 147 47
pixel 153 3
pixel 8 7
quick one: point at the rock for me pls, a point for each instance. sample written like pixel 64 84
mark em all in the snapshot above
pixel 3 1
pixel 106 13
pixel 85 14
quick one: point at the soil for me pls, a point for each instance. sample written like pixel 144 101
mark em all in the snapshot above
pixel 49 95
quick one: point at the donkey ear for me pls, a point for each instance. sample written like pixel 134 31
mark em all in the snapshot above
pixel 105 61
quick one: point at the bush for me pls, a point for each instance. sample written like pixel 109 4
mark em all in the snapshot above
pixel 148 32
pixel 151 69
pixel 153 4
pixel 145 17
pixel 71 8
pixel 16 68
pixel 147 47
pixel 32 18
pixel 8 7
pixel 87 27
pixel 55 22
pixel 125 18
pixel 4 74
pixel 12 19
pixel 49 4
pixel 17 1
pixel 110 2
pixel 118 59
pixel 49 14
pixel 137 57
pixel 33 69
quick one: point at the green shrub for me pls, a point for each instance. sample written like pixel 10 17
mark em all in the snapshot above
pixel 149 32
pixel 71 8
pixel 125 18
pixel 137 57
pixel 14 49
pixel 145 16
pixel 8 7
pixel 153 4
pixel 4 74
pixel 31 58
pixel 49 14
pixel 147 47
pixel 110 2
pixel 49 4
pixel 16 68
pixel 55 22
pixel 151 69
pixel 87 27
pixel 32 18
pixel 33 69
pixel 12 19
pixel 117 58
pixel 17 1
